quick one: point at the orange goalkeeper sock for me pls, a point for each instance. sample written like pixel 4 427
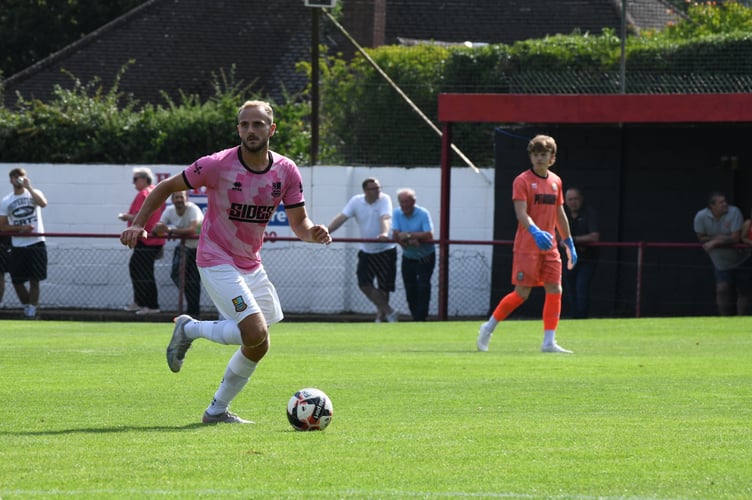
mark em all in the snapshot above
pixel 506 305
pixel 551 311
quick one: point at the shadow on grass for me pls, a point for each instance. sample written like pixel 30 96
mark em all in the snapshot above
pixel 111 430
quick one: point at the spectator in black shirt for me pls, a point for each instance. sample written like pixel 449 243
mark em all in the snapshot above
pixel 583 223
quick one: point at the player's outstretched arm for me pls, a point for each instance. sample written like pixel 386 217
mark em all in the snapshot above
pixel 305 229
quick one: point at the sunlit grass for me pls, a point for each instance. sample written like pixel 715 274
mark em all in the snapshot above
pixel 651 408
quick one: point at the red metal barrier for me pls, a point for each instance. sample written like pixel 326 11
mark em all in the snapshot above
pixel 81 271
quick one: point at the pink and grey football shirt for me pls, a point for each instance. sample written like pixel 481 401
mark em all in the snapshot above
pixel 240 203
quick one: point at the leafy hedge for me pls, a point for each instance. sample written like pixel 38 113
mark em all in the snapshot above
pixel 374 125
pixel 363 119
pixel 85 124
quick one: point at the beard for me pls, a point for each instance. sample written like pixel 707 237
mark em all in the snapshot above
pixel 254 149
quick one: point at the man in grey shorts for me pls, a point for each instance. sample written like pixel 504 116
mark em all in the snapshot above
pixel 718 228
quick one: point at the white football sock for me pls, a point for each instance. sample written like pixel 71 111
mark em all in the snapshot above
pixel 237 374
pixel 549 337
pixel 222 332
pixel 491 323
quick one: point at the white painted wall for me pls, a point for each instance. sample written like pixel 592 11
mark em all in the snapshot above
pixel 85 199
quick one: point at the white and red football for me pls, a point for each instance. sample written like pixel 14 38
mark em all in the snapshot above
pixel 310 410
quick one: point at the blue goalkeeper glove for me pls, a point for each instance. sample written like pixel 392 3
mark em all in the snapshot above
pixel 571 252
pixel 543 239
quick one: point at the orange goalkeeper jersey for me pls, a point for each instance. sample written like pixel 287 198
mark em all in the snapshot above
pixel 544 197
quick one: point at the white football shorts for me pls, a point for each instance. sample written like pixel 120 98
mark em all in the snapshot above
pixel 237 294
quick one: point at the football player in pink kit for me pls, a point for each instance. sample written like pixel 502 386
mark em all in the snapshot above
pixel 244 186
pixel 539 206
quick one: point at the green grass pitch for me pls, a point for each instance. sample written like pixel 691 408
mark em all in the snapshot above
pixel 645 408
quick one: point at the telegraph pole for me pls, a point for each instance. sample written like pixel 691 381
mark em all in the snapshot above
pixel 316 7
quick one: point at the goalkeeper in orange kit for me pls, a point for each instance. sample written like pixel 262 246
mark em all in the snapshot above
pixel 539 205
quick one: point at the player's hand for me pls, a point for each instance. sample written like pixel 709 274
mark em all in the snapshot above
pixel 130 236
pixel 543 239
pixel 571 252
pixel 320 234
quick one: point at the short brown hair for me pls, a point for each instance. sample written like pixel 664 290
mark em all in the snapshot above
pixel 17 172
pixel 541 143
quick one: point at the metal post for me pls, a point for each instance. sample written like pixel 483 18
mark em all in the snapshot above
pixel 181 274
pixel 315 14
pixel 638 291
pixel 446 183
pixel 623 58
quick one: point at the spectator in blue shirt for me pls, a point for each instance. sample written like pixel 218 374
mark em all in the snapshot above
pixel 412 229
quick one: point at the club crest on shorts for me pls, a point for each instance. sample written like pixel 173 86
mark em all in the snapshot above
pixel 239 304
pixel 520 276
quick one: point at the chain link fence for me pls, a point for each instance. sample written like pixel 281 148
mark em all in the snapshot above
pixel 92 274
pixel 319 283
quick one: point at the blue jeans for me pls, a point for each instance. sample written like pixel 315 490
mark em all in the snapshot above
pixel 577 287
